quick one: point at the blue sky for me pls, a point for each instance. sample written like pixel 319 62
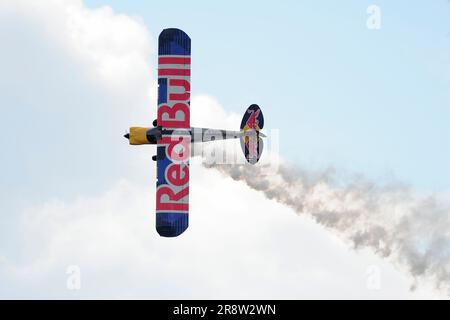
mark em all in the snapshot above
pixel 371 102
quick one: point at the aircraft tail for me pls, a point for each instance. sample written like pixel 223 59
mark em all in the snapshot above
pixel 251 141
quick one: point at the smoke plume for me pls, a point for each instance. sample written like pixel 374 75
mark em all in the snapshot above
pixel 413 231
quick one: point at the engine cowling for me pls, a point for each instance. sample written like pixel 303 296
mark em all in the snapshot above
pixel 138 136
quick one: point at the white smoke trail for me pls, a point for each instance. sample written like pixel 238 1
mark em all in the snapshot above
pixel 413 231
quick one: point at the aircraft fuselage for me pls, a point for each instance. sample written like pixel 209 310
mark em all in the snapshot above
pixel 139 135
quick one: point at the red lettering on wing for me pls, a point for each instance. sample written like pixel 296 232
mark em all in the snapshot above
pixel 173 122
pixel 174 174
pixel 174 72
pixel 174 60
pixel 172 142
pixel 174 198
pixel 185 96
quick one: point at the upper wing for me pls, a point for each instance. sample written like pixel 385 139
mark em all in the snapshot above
pixel 173 150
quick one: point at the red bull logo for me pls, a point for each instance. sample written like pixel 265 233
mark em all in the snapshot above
pixel 174 147
pixel 252 123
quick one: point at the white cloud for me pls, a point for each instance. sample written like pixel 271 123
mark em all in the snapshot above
pixel 249 248
pixel 238 245
pixel 112 50
pixel 207 112
pixel 115 49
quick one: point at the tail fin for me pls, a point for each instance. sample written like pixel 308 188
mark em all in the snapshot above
pixel 251 142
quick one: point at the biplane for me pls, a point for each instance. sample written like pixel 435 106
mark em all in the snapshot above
pixel 173 135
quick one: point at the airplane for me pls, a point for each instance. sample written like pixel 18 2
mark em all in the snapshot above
pixel 173 135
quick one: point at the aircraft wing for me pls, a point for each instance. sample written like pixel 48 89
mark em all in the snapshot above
pixel 173 149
